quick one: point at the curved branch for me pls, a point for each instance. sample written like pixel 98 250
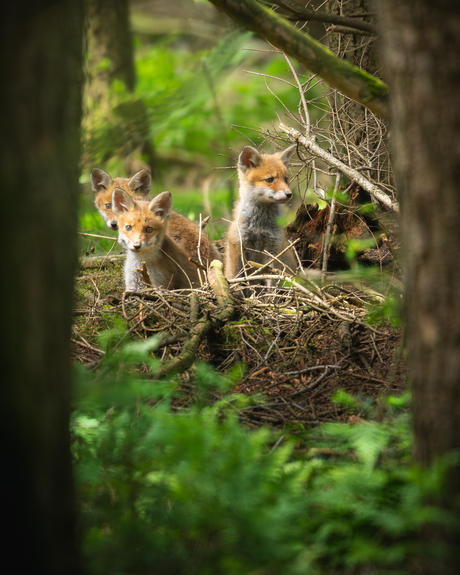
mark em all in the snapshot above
pixel 351 80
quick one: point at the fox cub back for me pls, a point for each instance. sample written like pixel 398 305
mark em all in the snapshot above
pixel 142 229
pixel 181 229
pixel 263 188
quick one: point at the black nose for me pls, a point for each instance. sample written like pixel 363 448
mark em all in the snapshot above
pixel 113 225
pixel 137 246
pixel 288 194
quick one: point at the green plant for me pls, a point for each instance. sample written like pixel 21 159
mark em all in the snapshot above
pixel 195 492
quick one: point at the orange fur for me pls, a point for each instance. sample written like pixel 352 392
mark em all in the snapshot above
pixel 184 232
pixel 142 231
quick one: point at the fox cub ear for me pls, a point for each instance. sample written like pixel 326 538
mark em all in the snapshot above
pixel 140 182
pixel 121 201
pixel 161 205
pixel 249 158
pixel 286 154
pixel 100 180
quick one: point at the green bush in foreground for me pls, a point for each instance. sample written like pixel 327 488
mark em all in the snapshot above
pixel 196 492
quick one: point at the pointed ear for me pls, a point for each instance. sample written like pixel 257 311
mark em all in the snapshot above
pixel 249 158
pixel 140 182
pixel 161 205
pixel 100 180
pixel 121 201
pixel 286 154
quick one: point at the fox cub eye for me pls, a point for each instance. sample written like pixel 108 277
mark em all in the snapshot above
pixel 128 228
pixel 149 230
pixel 286 180
pixel 269 180
pixel 108 206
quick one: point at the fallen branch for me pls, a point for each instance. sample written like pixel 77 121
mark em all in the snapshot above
pixel 97 236
pixel 203 327
pixel 92 262
pixel 309 143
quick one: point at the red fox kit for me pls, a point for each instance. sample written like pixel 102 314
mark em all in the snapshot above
pixel 263 188
pixel 142 228
pixel 180 229
pixel 138 187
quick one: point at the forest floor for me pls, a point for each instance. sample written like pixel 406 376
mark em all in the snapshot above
pixel 291 348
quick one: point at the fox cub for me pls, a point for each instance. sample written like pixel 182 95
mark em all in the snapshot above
pixel 264 187
pixel 138 187
pixel 180 229
pixel 142 229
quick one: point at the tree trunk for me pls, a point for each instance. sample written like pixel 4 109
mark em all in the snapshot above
pixel 40 107
pixel 420 47
pixel 113 127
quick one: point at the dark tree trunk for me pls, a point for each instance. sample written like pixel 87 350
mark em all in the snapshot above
pixel 40 107
pixel 420 46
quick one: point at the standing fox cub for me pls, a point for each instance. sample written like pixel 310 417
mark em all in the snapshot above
pixel 180 229
pixel 142 229
pixel 254 230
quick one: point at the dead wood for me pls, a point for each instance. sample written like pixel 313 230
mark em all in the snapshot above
pixel 310 229
pixel 185 359
pixel 105 261
pixel 292 341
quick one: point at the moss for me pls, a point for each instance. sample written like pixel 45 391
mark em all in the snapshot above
pixel 376 87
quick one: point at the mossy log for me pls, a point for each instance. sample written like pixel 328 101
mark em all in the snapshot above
pixel 105 261
pixel 204 325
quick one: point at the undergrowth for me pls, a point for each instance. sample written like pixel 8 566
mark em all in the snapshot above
pixel 163 490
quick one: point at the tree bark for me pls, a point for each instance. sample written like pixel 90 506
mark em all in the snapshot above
pixel 113 128
pixel 40 107
pixel 420 47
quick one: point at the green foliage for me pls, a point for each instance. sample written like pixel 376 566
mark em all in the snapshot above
pixel 195 492
pixel 389 310
pixel 194 98
pixel 356 246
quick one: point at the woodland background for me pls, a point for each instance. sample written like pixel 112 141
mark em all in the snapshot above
pixel 203 472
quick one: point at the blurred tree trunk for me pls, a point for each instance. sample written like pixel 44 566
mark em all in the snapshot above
pixel 113 127
pixel 40 107
pixel 420 46
pixel 110 50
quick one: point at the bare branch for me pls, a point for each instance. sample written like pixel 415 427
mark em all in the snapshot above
pixel 325 17
pixel 311 145
pixel 349 79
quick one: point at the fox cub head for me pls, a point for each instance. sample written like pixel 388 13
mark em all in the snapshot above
pixel 265 176
pixel 138 187
pixel 141 224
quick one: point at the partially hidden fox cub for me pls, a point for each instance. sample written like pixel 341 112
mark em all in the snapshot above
pixel 142 229
pixel 138 187
pixel 180 229
pixel 264 187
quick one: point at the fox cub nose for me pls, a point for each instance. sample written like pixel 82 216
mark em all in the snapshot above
pixel 137 246
pixel 288 194
pixel 113 225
